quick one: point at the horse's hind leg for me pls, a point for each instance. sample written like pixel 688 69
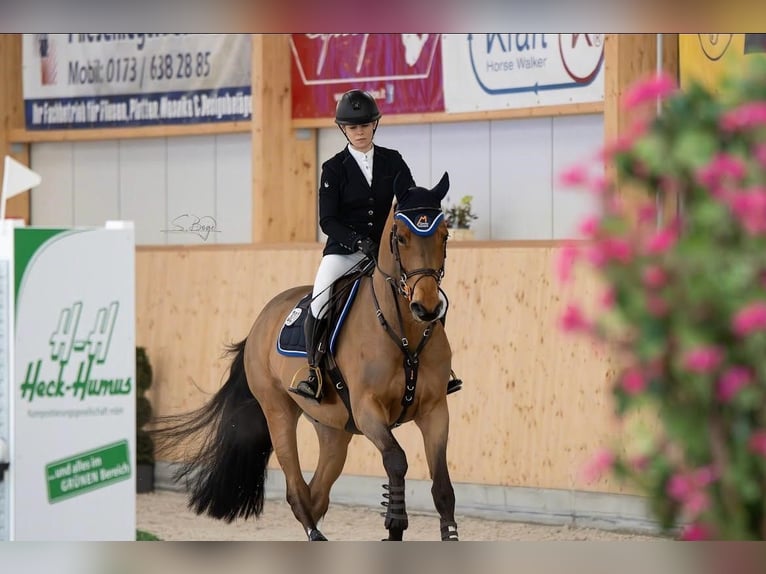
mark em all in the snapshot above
pixel 371 422
pixel 435 428
pixel 333 449
pixel 282 415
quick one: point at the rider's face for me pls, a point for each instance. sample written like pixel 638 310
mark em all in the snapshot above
pixel 360 136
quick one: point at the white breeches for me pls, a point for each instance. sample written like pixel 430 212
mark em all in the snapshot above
pixel 330 268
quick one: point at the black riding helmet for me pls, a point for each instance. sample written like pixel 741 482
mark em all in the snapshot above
pixel 356 107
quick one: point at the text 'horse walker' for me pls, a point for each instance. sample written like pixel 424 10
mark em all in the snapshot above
pixel 391 365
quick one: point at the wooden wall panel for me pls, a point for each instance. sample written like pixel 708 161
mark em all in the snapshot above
pixel 12 117
pixel 284 159
pixel 535 404
pixel 629 58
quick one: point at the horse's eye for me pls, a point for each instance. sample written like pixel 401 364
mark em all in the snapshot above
pixel 401 239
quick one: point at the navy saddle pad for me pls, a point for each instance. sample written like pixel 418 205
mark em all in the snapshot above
pixel 291 340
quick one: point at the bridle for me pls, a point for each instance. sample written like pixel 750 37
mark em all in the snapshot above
pixel 401 286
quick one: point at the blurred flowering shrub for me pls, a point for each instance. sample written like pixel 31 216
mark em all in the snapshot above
pixel 684 305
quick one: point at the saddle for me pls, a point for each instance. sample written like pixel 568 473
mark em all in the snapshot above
pixel 291 340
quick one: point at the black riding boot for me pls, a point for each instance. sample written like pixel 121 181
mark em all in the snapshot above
pixel 454 384
pixel 314 330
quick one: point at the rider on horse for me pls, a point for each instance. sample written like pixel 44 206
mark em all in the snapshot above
pixel 356 192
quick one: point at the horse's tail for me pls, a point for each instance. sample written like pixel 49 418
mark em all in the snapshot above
pixel 226 471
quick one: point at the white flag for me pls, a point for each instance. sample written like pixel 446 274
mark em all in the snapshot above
pixel 16 178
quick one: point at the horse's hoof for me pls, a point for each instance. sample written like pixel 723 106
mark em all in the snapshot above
pixel 316 536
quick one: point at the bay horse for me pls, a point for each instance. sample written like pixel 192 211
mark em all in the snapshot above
pixel 391 367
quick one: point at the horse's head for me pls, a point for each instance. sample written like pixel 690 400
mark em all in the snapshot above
pixel 418 242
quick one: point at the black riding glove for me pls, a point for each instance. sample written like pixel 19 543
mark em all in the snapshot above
pixel 367 246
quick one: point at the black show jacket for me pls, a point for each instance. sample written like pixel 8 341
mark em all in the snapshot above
pixel 349 209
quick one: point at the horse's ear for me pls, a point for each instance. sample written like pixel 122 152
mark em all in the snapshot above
pixel 401 188
pixel 442 187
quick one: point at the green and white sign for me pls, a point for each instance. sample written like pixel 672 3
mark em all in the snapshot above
pixel 67 343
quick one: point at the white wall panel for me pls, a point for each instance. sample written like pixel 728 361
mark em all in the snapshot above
pixel 509 166
pixel 414 143
pixel 191 190
pixel 52 202
pixel 521 187
pixel 462 150
pixel 96 181
pixel 143 180
pixel 576 139
pixel 233 188
pixel 329 142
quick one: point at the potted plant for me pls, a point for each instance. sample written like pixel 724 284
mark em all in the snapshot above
pixel 683 308
pixel 144 442
pixel 459 217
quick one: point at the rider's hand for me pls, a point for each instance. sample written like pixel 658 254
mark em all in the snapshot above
pixel 367 246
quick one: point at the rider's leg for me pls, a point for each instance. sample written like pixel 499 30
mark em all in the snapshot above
pixel 330 268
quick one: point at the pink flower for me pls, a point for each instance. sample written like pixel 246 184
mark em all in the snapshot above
pixel 598 465
pixel 607 298
pixel 657 306
pixel 750 208
pixel 610 249
pixel 619 249
pixel 703 359
pixel 624 142
pixel 599 185
pixel 647 213
pixel 589 227
pixel 597 255
pixel 574 320
pixel 574 176
pixel 648 91
pixel 689 489
pixel 732 381
pixel 639 463
pixel 747 115
pixel 759 152
pixel 696 532
pixel 633 381
pixel 757 442
pixel 750 319
pixel 654 276
pixel 722 168
pixel 661 241
pixel 565 261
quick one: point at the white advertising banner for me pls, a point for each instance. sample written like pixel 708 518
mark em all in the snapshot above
pixel 499 71
pixel 72 473
pixel 75 81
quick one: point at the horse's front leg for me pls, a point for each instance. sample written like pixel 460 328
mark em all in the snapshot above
pixel 434 424
pixel 371 420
